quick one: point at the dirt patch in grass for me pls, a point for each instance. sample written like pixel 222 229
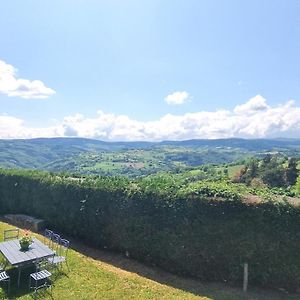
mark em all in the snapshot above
pixel 138 165
pixel 254 199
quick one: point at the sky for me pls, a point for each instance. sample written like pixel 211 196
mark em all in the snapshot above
pixel 123 70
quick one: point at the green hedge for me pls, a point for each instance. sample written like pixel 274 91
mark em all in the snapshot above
pixel 156 222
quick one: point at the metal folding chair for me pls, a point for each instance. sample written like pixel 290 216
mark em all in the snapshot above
pixel 61 256
pixel 48 235
pixel 10 234
pixel 5 278
pixel 40 280
pixel 55 242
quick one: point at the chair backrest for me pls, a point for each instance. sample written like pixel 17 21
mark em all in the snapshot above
pixel 10 234
pixel 56 241
pixel 56 238
pixel 64 247
pixel 48 234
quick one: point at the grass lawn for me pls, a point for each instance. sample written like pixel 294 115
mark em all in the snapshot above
pixel 96 274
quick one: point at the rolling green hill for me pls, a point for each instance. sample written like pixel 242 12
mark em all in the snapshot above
pixel 132 158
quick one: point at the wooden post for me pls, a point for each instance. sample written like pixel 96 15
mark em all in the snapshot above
pixel 245 282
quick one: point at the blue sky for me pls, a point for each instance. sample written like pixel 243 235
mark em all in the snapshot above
pixel 124 58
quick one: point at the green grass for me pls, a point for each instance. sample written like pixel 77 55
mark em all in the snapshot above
pixel 233 170
pixel 112 276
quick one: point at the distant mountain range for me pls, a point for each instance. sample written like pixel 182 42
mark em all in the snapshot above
pixel 76 154
pixel 246 144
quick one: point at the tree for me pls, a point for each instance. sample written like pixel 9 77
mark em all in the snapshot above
pixel 252 168
pixel 291 171
pixel 274 176
pixel 225 171
pixel 298 185
pixel 267 159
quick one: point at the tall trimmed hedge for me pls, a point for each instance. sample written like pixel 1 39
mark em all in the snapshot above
pixel 185 233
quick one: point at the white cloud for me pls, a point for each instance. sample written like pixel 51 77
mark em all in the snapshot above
pixel 254 105
pixel 177 98
pixel 253 119
pixel 12 127
pixel 18 87
pixel 9 126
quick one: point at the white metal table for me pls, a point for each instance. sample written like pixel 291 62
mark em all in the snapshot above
pixel 18 258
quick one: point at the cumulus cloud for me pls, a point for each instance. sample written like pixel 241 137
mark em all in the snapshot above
pixel 254 105
pixel 253 119
pixel 19 87
pixel 12 127
pixel 177 98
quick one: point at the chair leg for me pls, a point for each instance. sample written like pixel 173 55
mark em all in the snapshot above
pixel 67 266
pixel 50 285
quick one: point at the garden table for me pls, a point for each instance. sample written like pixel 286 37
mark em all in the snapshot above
pixel 18 258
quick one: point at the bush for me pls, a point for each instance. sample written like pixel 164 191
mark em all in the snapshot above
pixel 204 230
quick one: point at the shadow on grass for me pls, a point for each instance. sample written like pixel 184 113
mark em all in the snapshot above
pixel 24 288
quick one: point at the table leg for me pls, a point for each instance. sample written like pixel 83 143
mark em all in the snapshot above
pixel 19 276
